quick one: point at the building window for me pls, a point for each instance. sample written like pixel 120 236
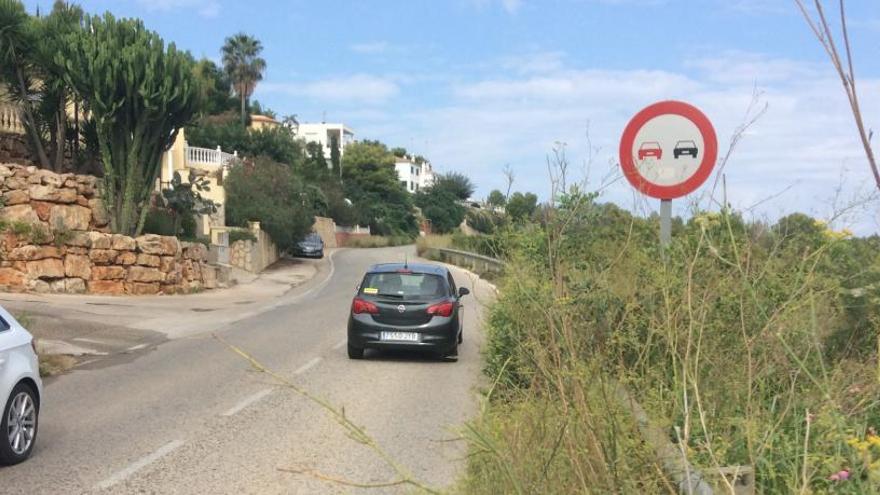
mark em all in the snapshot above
pixel 403 183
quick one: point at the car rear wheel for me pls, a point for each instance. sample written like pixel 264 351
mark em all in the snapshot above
pixel 19 425
pixel 354 352
pixel 452 354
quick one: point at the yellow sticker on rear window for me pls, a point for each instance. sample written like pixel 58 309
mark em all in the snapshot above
pixel 371 290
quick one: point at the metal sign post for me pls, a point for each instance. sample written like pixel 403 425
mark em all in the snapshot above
pixel 667 151
pixel 665 222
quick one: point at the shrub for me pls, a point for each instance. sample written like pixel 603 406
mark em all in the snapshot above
pixel 270 193
pixel 241 235
pixel 184 200
pixel 277 144
pixel 738 338
pixel 377 241
pixel 484 221
pixel 441 208
pixel 425 243
pixel 159 221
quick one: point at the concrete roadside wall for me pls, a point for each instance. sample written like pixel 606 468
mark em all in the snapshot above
pixel 326 228
pixel 345 234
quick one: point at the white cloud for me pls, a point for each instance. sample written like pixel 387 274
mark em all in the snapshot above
pixel 357 88
pixel 534 63
pixel 205 8
pixel 370 48
pixel 803 141
pixel 509 6
pixel 736 67
pixel 759 7
pixel 578 85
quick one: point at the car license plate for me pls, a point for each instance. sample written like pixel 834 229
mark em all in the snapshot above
pixel 401 336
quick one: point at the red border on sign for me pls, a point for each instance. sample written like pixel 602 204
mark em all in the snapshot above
pixel 710 145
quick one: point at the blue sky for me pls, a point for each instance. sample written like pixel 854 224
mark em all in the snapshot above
pixel 477 84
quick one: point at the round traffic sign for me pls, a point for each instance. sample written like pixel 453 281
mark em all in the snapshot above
pixel 668 149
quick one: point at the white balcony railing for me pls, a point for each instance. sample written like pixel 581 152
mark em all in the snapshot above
pixel 206 156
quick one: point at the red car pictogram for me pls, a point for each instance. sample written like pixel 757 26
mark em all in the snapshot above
pixel 650 148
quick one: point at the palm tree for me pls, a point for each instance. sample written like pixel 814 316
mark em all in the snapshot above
pixel 242 63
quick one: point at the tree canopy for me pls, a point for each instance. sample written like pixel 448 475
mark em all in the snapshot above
pixel 521 206
pixel 496 198
pixel 441 207
pixel 244 66
pixel 371 183
pixel 455 183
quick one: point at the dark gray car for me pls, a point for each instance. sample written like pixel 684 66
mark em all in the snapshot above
pixel 312 246
pixel 406 306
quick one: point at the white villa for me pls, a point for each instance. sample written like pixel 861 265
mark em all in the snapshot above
pixel 414 176
pixel 325 134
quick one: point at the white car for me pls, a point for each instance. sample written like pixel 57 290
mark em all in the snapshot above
pixel 20 391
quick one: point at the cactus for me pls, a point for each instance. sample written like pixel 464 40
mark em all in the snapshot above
pixel 139 94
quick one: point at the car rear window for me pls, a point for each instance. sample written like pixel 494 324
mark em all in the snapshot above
pixel 419 286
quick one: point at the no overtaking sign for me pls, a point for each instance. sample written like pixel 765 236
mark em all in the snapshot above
pixel 668 149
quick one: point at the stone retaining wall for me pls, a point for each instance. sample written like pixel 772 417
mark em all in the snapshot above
pixel 50 201
pixel 253 256
pixel 53 238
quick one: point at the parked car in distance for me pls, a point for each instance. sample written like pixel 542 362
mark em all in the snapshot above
pixel 685 148
pixel 406 306
pixel 650 148
pixel 20 391
pixel 311 246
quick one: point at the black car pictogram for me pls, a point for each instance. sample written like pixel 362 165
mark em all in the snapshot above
pixel 685 148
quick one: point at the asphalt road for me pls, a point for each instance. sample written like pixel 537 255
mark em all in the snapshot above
pixel 189 415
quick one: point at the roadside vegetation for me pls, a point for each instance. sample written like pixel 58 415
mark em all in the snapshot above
pixel 378 241
pixel 751 344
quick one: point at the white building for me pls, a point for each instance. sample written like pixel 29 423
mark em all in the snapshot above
pixel 325 134
pixel 414 176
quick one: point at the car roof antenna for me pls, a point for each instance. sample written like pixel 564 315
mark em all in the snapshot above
pixel 405 261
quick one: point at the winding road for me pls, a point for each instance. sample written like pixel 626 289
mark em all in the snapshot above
pixel 189 415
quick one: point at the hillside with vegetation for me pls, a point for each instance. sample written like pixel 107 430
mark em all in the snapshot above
pixel 748 343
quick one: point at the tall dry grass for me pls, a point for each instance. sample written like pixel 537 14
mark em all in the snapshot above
pixel 752 345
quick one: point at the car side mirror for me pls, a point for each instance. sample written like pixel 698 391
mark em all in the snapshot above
pixel 463 291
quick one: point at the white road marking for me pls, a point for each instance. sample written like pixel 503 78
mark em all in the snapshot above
pixel 247 402
pixel 136 347
pixel 306 367
pixel 341 344
pixel 140 464
pixel 323 282
pixel 91 341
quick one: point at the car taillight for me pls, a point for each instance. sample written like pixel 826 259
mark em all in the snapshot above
pixel 443 309
pixel 359 306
